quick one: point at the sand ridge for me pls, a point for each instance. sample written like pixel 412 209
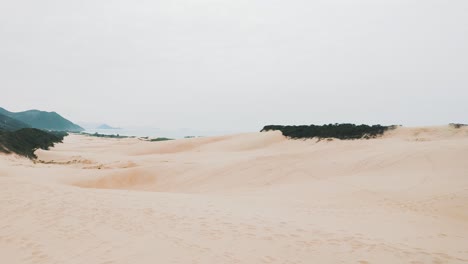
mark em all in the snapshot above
pixel 248 198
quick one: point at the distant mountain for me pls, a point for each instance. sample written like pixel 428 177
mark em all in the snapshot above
pixel 9 124
pixel 105 126
pixel 43 120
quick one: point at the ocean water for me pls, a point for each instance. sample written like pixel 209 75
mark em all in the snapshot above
pixel 158 132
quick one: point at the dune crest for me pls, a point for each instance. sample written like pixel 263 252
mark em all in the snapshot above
pixel 247 198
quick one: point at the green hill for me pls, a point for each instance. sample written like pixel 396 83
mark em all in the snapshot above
pixel 26 140
pixel 10 124
pixel 43 120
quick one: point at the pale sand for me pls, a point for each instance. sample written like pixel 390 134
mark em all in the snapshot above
pixel 250 198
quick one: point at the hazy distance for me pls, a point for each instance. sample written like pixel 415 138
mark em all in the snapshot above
pixel 236 65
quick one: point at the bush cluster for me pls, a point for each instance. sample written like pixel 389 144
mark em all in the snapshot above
pixel 457 125
pixel 104 135
pixel 25 141
pixel 339 131
pixel 160 139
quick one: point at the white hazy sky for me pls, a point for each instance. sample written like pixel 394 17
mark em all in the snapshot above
pixel 236 64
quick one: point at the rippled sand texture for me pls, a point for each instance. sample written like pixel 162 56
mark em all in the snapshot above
pixel 249 198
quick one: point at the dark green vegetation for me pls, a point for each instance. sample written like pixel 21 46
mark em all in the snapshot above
pixel 160 139
pixel 10 124
pixel 103 135
pixel 339 131
pixel 457 125
pixel 24 132
pixel 43 120
pixel 26 140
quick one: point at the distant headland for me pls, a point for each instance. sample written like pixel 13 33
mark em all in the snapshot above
pixel 106 126
pixel 24 132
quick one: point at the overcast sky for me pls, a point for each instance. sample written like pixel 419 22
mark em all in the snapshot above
pixel 236 64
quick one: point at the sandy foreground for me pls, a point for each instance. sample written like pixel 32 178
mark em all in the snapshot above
pixel 249 198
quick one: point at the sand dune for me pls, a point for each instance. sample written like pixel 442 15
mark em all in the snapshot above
pixel 248 198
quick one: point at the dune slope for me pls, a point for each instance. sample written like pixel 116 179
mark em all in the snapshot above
pixel 249 198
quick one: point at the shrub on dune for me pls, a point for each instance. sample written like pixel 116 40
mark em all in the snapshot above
pixel 25 141
pixel 339 131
